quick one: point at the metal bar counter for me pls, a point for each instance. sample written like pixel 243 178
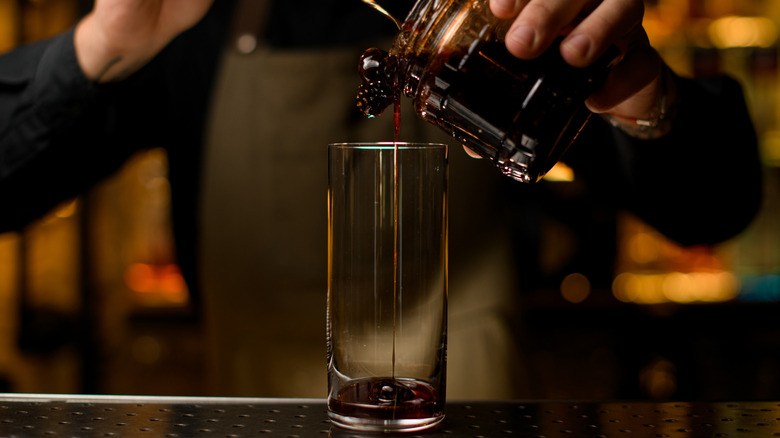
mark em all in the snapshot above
pixel 31 415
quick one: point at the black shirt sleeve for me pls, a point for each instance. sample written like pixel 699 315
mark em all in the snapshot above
pixel 701 183
pixel 42 92
pixel 60 133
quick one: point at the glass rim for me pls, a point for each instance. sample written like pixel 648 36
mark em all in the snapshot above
pixel 383 145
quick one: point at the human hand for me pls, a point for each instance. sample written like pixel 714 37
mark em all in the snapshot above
pixel 634 88
pixel 120 36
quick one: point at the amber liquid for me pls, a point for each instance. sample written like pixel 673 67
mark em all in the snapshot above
pixel 388 398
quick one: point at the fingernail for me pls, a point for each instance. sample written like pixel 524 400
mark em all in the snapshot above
pixel 579 44
pixel 523 35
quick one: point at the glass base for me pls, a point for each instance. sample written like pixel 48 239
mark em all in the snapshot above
pixel 381 425
pixel 386 404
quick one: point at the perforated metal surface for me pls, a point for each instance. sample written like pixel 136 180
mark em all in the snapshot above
pixel 66 416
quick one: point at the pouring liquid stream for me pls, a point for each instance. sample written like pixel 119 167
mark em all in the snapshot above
pixel 406 397
pixel 382 11
pixel 397 396
pixel 396 285
pixel 396 136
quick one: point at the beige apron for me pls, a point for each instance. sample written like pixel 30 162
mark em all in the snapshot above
pixel 264 231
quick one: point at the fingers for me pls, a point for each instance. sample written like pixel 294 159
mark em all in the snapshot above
pixel 590 26
pixel 506 9
pixel 537 23
pixel 612 22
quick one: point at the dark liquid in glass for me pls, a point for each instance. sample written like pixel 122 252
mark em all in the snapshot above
pixel 387 399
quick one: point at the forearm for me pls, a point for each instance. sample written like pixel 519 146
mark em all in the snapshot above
pixel 66 133
pixel 701 183
pixel 59 131
pixel 43 92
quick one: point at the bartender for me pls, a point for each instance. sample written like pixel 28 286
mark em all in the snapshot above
pixel 245 96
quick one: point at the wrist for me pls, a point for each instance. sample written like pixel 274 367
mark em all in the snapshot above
pixel 657 120
pixel 91 51
pixel 101 60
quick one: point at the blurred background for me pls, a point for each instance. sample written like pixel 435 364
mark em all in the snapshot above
pixel 92 301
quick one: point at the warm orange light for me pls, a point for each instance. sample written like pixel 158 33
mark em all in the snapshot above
pixel 171 280
pixel 67 210
pixel 575 288
pixel 675 287
pixel 644 248
pixel 560 172
pixel 727 32
pixel 140 277
pixel 164 281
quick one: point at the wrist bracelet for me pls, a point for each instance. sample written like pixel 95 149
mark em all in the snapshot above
pixel 660 118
